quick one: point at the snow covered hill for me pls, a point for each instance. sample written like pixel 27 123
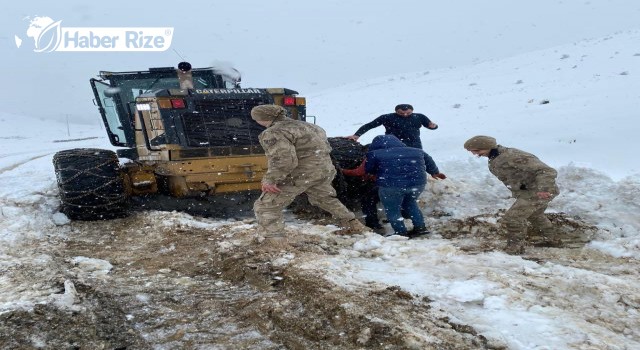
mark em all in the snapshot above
pixel 575 104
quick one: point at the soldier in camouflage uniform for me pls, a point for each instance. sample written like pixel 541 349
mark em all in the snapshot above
pixel 532 183
pixel 298 156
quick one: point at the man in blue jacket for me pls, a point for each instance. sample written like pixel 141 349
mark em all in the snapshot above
pixel 403 124
pixel 400 173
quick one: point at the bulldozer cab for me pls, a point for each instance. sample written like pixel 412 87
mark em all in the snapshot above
pixel 115 94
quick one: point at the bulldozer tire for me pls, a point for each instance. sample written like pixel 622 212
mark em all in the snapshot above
pixel 91 184
pixel 348 154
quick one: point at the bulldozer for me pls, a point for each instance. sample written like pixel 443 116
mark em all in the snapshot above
pixel 183 135
pixel 184 140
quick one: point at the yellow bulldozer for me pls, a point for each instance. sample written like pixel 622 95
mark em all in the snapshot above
pixel 181 133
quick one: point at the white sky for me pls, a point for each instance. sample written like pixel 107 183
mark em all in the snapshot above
pixel 303 45
pixel 583 299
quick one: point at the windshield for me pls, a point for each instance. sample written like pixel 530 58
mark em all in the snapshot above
pixel 133 85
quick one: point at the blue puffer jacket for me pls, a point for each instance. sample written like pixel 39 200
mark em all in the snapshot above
pixel 397 165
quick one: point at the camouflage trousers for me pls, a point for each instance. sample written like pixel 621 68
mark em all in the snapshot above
pixel 526 210
pixel 268 208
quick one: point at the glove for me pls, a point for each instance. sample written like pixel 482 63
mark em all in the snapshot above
pixel 440 176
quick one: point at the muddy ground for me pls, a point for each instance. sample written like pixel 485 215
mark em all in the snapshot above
pixel 175 286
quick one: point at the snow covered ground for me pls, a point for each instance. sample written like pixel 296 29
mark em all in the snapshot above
pixel 585 298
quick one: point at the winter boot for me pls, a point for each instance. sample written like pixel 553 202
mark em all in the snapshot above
pixel 549 237
pixel 552 240
pixel 418 231
pixel 375 226
pixel 515 246
pixel 273 243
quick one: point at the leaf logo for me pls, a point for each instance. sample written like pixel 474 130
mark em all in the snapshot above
pixel 49 38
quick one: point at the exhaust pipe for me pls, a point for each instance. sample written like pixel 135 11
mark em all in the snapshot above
pixel 184 75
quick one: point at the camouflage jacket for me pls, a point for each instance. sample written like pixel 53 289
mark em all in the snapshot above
pixel 296 150
pixel 523 173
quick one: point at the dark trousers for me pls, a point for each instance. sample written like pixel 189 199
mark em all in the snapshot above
pixel 369 204
pixel 398 199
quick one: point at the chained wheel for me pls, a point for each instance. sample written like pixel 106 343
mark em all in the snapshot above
pixel 91 184
pixel 347 154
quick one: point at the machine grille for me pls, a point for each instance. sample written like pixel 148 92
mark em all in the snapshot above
pixel 222 123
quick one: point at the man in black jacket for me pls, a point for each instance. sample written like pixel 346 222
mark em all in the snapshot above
pixel 403 124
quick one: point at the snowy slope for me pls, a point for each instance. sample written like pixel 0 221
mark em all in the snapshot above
pixel 587 130
pixel 592 118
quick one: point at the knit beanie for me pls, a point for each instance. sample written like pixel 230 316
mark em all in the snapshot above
pixel 480 142
pixel 268 112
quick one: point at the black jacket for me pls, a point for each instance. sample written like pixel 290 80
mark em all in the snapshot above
pixel 407 129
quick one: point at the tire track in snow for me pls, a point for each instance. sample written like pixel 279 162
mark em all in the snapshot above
pixel 13 166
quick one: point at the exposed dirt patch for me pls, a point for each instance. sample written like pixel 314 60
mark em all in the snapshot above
pixel 176 283
pixel 98 322
pixel 174 286
pixel 482 233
